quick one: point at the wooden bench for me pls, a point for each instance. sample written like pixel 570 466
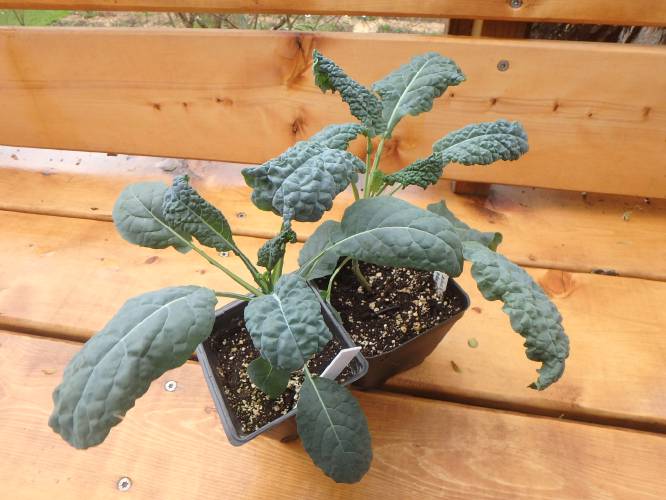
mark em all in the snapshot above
pixel 584 211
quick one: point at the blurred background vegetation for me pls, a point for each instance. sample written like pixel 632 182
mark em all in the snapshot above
pixel 357 24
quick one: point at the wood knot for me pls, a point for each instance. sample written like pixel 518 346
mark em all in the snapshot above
pixel 297 126
pixel 151 260
pixel 557 283
pixel 225 101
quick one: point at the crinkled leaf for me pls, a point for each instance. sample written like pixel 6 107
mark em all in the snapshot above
pixel 150 334
pixel 273 250
pixel 302 182
pixel 337 136
pixel 271 381
pixel 187 211
pixel 531 313
pixel 412 88
pixel 362 103
pixel 388 231
pixel 422 173
pixel 138 217
pixel 287 326
pixel 333 430
pixel 484 143
pixel 324 237
pixel 466 233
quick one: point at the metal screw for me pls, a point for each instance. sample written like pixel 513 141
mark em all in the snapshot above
pixel 170 386
pixel 503 65
pixel 224 254
pixel 124 484
pixel 516 4
pixel 241 215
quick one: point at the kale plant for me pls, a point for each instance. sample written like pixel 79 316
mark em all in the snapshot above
pixel 159 330
pixel 380 229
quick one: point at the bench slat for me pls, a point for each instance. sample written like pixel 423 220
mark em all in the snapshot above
pixel 68 276
pixel 596 113
pixel 87 184
pixel 639 12
pixel 171 445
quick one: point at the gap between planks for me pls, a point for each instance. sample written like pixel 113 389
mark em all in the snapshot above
pixel 605 422
pixel 266 235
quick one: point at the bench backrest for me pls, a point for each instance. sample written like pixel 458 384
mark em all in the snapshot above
pixel 595 113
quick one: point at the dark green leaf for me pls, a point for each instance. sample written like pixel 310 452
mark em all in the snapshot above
pixel 302 182
pixel 271 381
pixel 484 143
pixel 287 326
pixel 187 211
pixel 273 250
pixel 363 104
pixel 324 237
pixel 422 173
pixel 337 136
pixel 333 430
pixel 387 231
pixel 412 88
pixel 466 233
pixel 531 313
pixel 138 217
pixel 150 334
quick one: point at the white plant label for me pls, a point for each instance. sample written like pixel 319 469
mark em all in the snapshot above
pixel 441 281
pixel 339 362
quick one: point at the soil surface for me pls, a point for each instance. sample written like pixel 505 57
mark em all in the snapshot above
pixel 402 304
pixel 233 351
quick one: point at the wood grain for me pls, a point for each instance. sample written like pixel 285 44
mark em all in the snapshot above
pixel 596 113
pixel 171 445
pixel 68 277
pixel 647 12
pixel 541 228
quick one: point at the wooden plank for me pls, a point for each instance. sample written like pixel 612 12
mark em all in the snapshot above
pixel 87 184
pixel 636 12
pixel 600 129
pixel 171 445
pixel 68 276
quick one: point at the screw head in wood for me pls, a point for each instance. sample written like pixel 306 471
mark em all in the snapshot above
pixel 170 385
pixel 124 484
pixel 516 4
pixel 241 215
pixel 224 254
pixel 503 65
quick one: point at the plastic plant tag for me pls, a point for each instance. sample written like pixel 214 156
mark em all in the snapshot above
pixel 339 363
pixel 441 281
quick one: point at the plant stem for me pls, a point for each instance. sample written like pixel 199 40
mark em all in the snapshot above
pixel 355 191
pixel 332 278
pixel 375 164
pixel 368 156
pixel 397 188
pixel 248 263
pixel 381 190
pixel 359 276
pixel 277 271
pixel 232 295
pixel 227 271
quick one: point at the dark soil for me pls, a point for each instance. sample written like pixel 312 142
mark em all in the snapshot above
pixel 233 351
pixel 402 304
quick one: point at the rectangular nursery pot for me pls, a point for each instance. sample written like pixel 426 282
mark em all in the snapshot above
pixel 283 428
pixel 412 352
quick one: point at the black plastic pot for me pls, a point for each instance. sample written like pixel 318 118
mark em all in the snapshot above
pixel 412 352
pixel 283 428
